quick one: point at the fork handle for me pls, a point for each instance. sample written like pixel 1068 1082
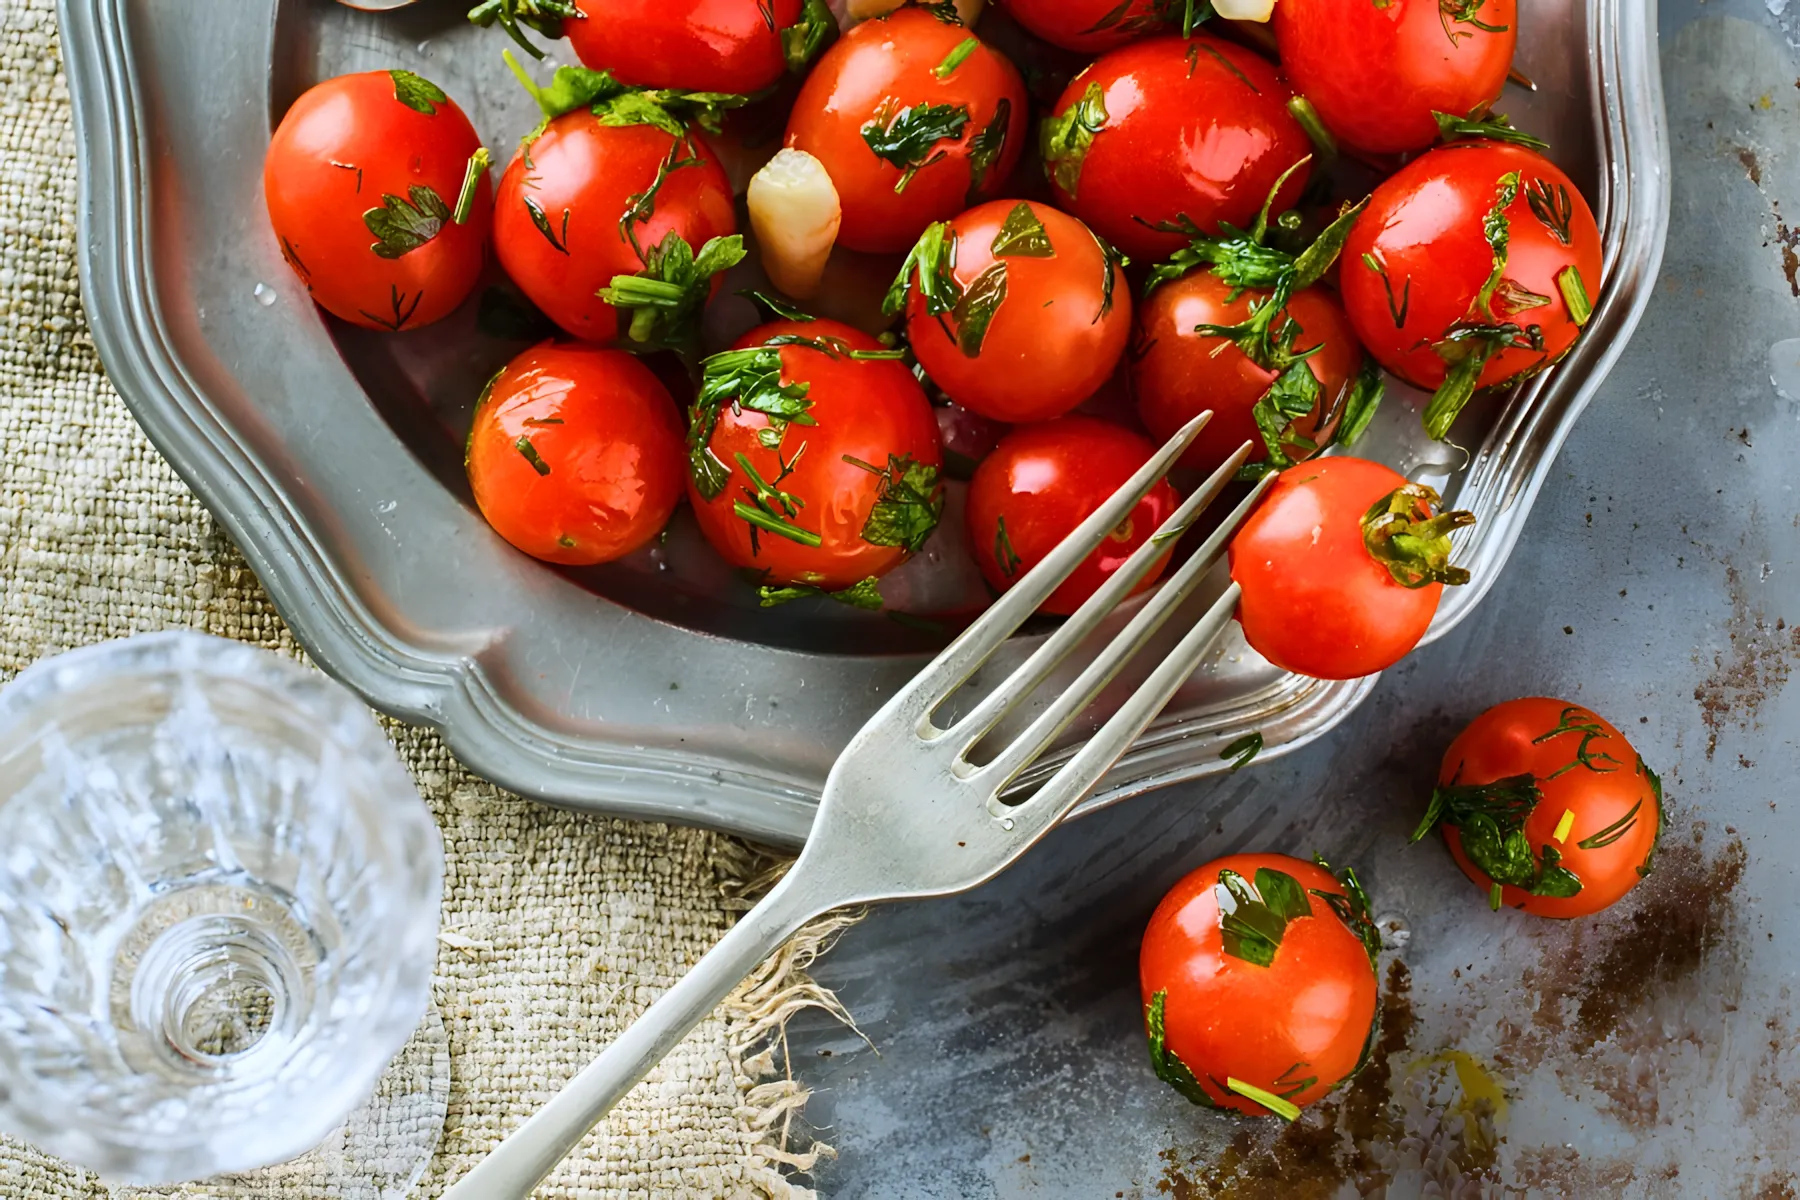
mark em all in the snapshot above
pixel 519 1163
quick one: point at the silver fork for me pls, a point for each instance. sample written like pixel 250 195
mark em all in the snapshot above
pixel 905 814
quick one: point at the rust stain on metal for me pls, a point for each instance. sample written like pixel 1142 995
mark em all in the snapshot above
pixel 1752 668
pixel 1752 167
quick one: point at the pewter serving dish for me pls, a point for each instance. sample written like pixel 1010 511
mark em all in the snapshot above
pixel 652 687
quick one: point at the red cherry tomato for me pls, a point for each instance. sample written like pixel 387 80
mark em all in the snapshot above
pixel 1171 129
pixel 839 493
pixel 1042 481
pixel 576 455
pixel 1551 799
pixel 1089 26
pixel 1016 310
pixel 364 179
pixel 560 219
pixel 1419 275
pixel 1448 56
pixel 1231 1010
pixel 703 45
pixel 1177 374
pixel 914 119
pixel 1316 600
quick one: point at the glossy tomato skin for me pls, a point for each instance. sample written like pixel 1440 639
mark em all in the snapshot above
pixel 1088 26
pixel 1423 228
pixel 1177 374
pixel 702 45
pixel 1044 480
pixel 1228 1018
pixel 1055 338
pixel 586 173
pixel 1519 737
pixel 1429 62
pixel 1204 136
pixel 576 455
pixel 344 147
pixel 1315 601
pixel 870 410
pixel 878 70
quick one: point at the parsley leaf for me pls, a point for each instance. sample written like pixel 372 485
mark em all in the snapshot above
pixel 1361 399
pixel 986 147
pixel 865 594
pixel 515 16
pixel 907 138
pixel 745 379
pixel 909 506
pixel 976 307
pixel 665 298
pixel 615 103
pixel 1497 229
pixel 401 225
pixel 1490 821
pixel 933 260
pixel 1352 908
pixel 1253 922
pixel 1243 750
pixel 1068 136
pixel 1170 1069
pixel 1022 235
pixel 802 41
pixel 1493 127
pixel 417 93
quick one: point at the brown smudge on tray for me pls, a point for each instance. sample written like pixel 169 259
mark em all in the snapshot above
pixel 1754 666
pixel 1772 1187
pixel 1752 167
pixel 1562 1171
pixel 1313 1157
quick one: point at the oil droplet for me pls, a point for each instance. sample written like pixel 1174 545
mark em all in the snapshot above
pixel 265 295
pixel 1006 823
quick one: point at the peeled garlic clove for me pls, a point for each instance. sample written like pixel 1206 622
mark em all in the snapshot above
pixel 795 214
pixel 1244 10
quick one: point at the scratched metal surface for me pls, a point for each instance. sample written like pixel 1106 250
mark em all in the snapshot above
pixel 1650 1052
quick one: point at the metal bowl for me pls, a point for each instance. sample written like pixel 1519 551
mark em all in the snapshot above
pixel 652 687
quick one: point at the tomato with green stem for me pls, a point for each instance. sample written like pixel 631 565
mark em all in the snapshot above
pixel 739 46
pixel 576 454
pixel 1341 566
pixel 1016 310
pixel 377 188
pixel 1257 975
pixel 1436 56
pixel 1042 481
pixel 1474 264
pixel 813 459
pixel 615 217
pixel 1096 26
pixel 914 118
pixel 1169 135
pixel 1547 807
pixel 1242 328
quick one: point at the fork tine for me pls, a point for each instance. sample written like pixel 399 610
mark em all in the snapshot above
pixel 959 660
pixel 1085 619
pixel 1083 771
pixel 1067 705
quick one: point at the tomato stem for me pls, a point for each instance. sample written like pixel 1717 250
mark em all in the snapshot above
pixel 1403 533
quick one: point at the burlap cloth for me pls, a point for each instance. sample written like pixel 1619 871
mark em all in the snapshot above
pixel 559 928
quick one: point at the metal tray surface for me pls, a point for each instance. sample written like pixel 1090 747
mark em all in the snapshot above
pixel 646 688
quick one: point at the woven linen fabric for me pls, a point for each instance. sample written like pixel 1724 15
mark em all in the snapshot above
pixel 559 928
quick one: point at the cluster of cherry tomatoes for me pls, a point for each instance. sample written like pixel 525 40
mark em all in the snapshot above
pixel 1258 971
pixel 1159 224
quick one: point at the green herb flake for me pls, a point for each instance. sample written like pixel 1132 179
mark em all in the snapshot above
pixel 1490 821
pixel 665 299
pixel 1067 138
pixel 1243 750
pixel 1111 263
pixel 1579 721
pixel 400 312
pixel 1022 235
pixel 1464 12
pixel 1656 794
pixel 1497 229
pixel 1613 832
pixel 541 219
pixel 1361 400
pixel 1575 295
pixel 986 147
pixel 1493 127
pixel 524 447
pixel 417 93
pixel 802 41
pixel 1552 207
pixel 976 307
pixel 932 263
pixel 1170 1069
pixel 864 595
pixel 1285 1109
pixel 1353 909
pixel 516 16
pixel 957 57
pixel 1253 922
pixel 909 506
pixel 775 308
pixel 1005 556
pixel 907 138
pixel 401 226
pixel 473 174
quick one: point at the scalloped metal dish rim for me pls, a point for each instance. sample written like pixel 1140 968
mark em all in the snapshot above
pixel 449 691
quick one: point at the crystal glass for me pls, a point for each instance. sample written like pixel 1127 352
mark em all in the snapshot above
pixel 219 900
